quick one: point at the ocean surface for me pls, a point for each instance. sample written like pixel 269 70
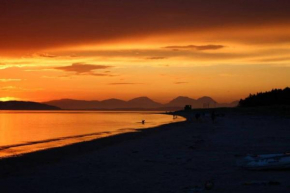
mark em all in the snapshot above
pixel 28 131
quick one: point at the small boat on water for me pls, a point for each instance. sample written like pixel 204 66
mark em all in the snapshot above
pixel 280 161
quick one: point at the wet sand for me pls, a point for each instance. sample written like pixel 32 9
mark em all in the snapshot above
pixel 171 158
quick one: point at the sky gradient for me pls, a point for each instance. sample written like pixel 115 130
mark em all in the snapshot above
pixel 93 49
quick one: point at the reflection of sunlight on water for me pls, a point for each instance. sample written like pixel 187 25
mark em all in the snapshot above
pixel 28 131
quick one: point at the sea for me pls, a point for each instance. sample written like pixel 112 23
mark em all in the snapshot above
pixel 28 131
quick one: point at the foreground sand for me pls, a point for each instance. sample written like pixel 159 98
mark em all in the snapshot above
pixel 170 158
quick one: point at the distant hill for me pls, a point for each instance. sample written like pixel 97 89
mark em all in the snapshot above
pixel 111 104
pixel 143 102
pixel 232 104
pixel 140 103
pixel 181 101
pixel 206 99
pixel 270 98
pixel 73 104
pixel 136 103
pixel 23 105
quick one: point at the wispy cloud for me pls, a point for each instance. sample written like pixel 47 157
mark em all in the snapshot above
pixel 13 64
pixel 18 89
pixel 59 77
pixel 273 59
pixel 46 55
pixel 124 83
pixel 196 47
pixel 181 82
pixel 10 80
pixel 8 88
pixel 85 69
pixel 156 58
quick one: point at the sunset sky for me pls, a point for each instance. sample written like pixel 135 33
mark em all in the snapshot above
pixel 100 49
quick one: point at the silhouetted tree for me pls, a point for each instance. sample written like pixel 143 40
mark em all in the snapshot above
pixel 270 98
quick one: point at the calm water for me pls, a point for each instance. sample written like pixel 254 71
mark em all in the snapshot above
pixel 27 131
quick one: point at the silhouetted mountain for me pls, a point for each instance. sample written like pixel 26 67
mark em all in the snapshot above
pixel 206 102
pixel 137 103
pixel 74 104
pixel 181 101
pixel 112 104
pixel 270 98
pixel 23 105
pixel 140 103
pixel 143 102
pixel 206 99
pixel 232 104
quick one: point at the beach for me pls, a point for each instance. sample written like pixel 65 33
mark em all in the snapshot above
pixel 177 157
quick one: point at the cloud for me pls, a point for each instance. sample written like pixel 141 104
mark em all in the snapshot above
pixel 101 74
pixel 124 83
pixel 82 68
pixel 111 54
pixel 8 88
pixel 46 55
pixel 71 22
pixel 195 47
pixel 181 82
pixel 156 58
pixel 273 59
pixel 58 77
pixel 5 66
pixel 16 64
pixel 10 80
pixel 19 89
pixel 85 69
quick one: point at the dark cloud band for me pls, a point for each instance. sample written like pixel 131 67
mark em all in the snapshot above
pixel 195 47
pixel 38 24
pixel 85 69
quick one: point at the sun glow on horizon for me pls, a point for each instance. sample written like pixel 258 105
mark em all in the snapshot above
pixel 5 99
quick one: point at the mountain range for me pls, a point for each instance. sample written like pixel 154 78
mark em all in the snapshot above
pixel 139 103
pixel 23 105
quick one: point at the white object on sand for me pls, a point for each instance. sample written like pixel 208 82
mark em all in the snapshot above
pixel 266 162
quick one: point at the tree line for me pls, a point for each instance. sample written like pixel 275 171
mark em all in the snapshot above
pixel 269 98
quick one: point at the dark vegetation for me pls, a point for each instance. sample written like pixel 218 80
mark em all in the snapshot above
pixel 275 97
pixel 21 105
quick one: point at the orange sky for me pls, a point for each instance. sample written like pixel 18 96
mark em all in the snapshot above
pixel 86 49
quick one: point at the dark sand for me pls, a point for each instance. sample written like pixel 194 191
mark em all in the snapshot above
pixel 171 158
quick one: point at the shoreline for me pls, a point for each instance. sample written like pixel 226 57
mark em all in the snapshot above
pixel 55 154
pixel 79 132
pixel 175 157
